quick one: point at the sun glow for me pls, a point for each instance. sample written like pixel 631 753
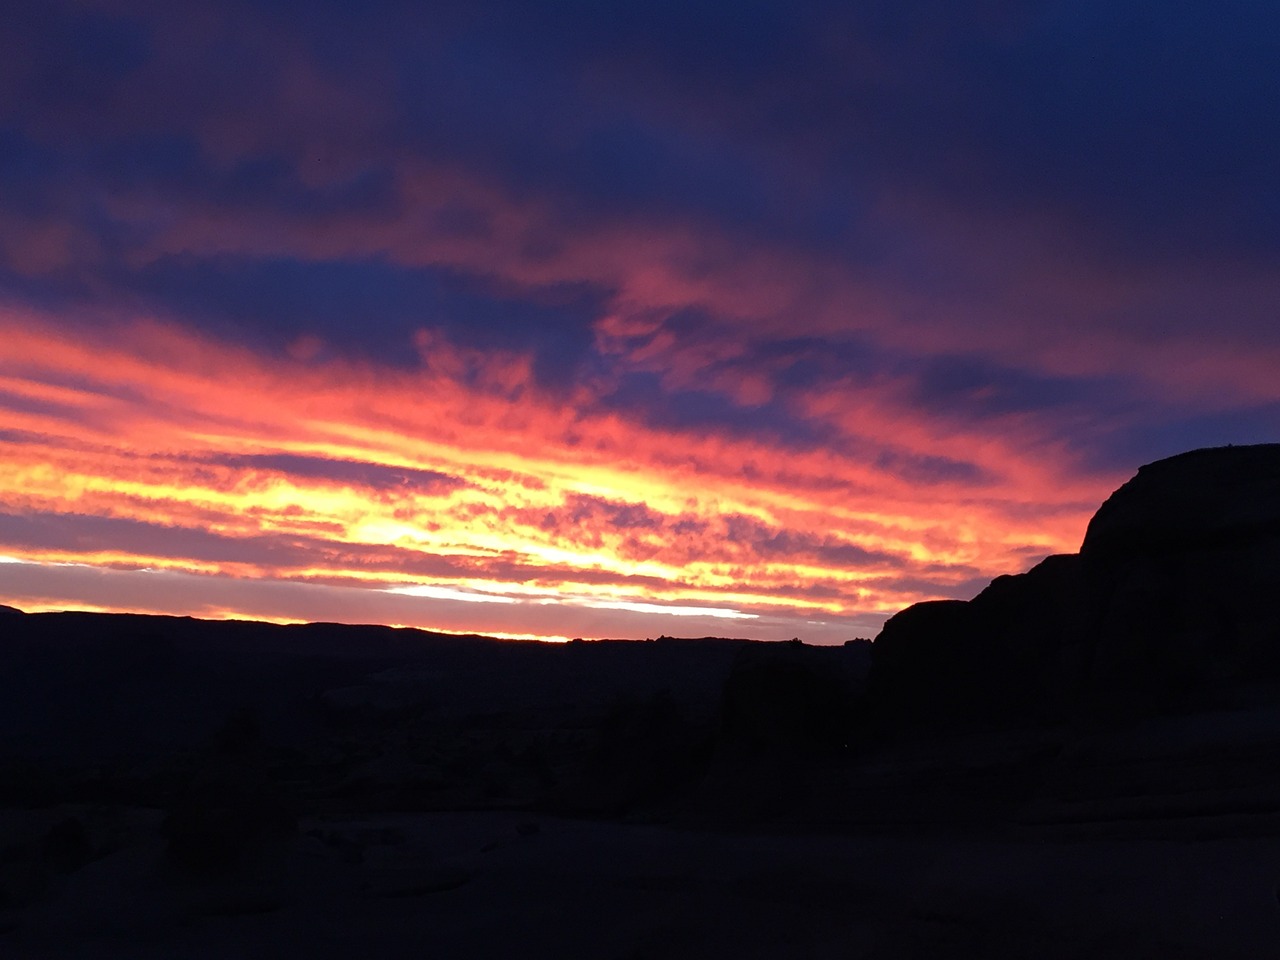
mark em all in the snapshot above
pixel 146 451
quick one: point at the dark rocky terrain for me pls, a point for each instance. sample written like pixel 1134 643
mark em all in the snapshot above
pixel 1080 761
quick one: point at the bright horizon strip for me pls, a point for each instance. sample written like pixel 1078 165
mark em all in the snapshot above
pixel 155 448
pixel 445 593
pixel 674 611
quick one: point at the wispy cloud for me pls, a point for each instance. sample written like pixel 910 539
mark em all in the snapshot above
pixel 464 480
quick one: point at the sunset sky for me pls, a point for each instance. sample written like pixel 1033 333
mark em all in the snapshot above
pixel 759 319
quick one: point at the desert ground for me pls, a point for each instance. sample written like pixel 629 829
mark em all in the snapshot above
pixel 489 884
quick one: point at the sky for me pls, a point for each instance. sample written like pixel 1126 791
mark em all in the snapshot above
pixel 587 319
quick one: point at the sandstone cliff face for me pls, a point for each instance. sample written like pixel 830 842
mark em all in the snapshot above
pixel 1168 607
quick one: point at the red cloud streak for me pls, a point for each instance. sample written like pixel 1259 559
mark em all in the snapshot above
pixel 463 486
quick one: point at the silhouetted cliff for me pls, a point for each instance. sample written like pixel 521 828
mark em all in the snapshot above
pixel 1168 607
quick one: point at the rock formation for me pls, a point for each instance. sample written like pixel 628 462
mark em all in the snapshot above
pixel 1168 607
pixel 1183 563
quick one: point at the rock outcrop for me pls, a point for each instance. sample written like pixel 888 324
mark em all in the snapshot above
pixel 1015 654
pixel 1183 563
pixel 1168 607
pixel 1134 686
pixel 1217 497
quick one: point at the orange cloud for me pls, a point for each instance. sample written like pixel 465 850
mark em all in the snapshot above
pixel 148 447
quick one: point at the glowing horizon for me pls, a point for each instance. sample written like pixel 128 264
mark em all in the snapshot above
pixel 342 474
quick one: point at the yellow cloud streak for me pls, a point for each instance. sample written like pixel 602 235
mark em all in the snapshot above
pixel 152 428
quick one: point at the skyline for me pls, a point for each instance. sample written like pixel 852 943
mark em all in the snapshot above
pixel 606 321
